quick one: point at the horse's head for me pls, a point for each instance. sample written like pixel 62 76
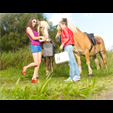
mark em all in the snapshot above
pixel 70 26
pixel 58 35
pixel 43 28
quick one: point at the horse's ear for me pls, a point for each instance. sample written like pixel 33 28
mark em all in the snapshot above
pixel 38 21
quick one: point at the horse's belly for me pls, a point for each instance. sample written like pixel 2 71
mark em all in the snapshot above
pixel 94 53
pixel 95 50
pixel 79 51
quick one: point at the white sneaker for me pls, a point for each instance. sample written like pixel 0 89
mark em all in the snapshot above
pixel 75 78
pixel 69 79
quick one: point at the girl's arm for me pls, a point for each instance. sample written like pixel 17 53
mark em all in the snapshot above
pixel 66 39
pixel 32 35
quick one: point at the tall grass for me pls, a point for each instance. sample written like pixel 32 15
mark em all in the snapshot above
pixel 16 59
pixel 53 91
pixel 28 92
pixel 15 86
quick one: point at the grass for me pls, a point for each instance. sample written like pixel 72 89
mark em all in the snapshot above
pixel 53 88
pixel 15 86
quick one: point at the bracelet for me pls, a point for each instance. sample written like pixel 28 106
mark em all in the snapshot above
pixel 63 44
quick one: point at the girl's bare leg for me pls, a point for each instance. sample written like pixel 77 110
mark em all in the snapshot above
pixel 35 63
pixel 38 59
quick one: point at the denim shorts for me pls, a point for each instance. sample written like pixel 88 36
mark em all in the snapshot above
pixel 35 48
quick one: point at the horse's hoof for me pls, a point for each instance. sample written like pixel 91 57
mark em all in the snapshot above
pixel 90 75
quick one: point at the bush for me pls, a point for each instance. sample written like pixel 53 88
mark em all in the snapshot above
pixel 13 30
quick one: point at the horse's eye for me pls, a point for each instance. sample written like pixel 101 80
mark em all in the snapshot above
pixel 41 27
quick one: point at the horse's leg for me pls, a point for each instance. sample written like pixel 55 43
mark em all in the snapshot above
pixel 102 63
pixel 103 59
pixel 46 65
pixel 51 61
pixel 96 62
pixel 88 63
pixel 79 62
pixel 49 66
pixel 45 62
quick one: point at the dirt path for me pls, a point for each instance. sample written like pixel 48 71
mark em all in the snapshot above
pixel 105 95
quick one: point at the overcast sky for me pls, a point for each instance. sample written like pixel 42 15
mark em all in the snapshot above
pixel 101 24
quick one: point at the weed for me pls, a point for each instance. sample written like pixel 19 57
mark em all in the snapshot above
pixel 15 86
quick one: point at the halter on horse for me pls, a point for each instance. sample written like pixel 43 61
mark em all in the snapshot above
pixel 83 46
pixel 43 29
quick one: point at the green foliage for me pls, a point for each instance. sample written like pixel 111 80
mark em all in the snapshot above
pixel 17 59
pixel 13 30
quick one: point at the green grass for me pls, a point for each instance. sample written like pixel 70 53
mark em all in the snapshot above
pixel 15 86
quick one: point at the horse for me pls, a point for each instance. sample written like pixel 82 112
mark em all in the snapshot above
pixel 43 29
pixel 84 47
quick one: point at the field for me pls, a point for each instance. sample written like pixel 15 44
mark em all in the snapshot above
pixel 15 86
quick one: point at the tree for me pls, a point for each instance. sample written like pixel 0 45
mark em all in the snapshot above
pixel 53 32
pixel 13 29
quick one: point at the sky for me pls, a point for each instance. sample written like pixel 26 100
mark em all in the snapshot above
pixel 101 24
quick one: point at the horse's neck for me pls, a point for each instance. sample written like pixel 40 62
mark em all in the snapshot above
pixel 78 35
pixel 78 30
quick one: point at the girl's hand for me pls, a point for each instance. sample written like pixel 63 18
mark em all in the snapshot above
pixel 48 39
pixel 42 38
pixel 61 46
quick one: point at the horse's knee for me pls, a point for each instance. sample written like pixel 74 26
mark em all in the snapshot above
pixel 97 64
pixel 47 72
pixel 88 62
pixel 105 61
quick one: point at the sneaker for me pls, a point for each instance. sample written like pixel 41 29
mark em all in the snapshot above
pixel 69 79
pixel 75 78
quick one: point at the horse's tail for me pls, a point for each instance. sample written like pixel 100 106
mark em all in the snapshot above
pixel 102 53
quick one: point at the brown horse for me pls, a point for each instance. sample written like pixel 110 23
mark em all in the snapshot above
pixel 43 29
pixel 83 47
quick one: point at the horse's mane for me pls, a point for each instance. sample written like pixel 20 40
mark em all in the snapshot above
pixel 45 24
pixel 71 26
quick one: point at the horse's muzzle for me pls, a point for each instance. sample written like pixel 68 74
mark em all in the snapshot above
pixel 58 38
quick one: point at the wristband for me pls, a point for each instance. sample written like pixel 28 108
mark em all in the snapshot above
pixel 63 44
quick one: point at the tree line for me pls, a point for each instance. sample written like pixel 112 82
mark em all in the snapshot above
pixel 13 30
